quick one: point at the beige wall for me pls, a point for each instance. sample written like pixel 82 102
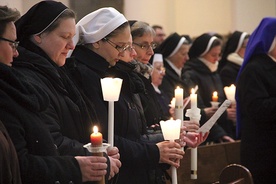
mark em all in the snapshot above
pixel 197 16
pixel 188 16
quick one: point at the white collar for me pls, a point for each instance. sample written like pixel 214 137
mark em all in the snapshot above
pixel 177 70
pixel 157 90
pixel 212 66
pixel 235 58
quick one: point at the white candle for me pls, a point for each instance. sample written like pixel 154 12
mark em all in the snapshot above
pixel 230 92
pixel 193 97
pixel 178 94
pixel 171 131
pixel 111 90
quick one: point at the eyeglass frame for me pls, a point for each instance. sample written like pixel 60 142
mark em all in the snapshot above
pixel 14 43
pixel 160 70
pixel 146 46
pixel 120 49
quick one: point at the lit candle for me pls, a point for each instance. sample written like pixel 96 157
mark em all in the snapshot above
pixel 193 97
pixel 230 92
pixel 215 96
pixel 96 138
pixel 172 102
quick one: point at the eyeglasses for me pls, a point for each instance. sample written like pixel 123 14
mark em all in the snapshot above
pixel 14 44
pixel 120 49
pixel 160 69
pixel 146 46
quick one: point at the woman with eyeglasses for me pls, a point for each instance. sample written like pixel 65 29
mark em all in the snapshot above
pixel 45 33
pixel 201 69
pixel 9 166
pixel 103 39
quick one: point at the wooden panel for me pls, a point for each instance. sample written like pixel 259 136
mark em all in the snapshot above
pixel 211 160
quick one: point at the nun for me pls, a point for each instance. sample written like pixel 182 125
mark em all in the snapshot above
pixel 45 34
pixel 232 57
pixel 256 103
pixel 202 70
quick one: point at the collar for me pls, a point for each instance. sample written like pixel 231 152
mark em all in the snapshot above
pixel 212 66
pixel 235 58
pixel 157 90
pixel 178 71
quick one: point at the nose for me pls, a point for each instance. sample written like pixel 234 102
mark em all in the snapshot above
pixel 133 53
pixel 71 45
pixel 150 51
pixel 15 53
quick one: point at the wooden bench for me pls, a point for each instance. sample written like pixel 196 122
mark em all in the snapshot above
pixel 211 161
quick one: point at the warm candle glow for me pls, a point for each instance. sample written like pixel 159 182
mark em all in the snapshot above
pixel 215 96
pixel 171 129
pixel 111 88
pixel 230 92
pixel 173 102
pixel 96 137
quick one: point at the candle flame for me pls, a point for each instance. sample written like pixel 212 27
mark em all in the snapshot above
pixel 95 129
pixel 193 91
pixel 215 93
pixel 177 87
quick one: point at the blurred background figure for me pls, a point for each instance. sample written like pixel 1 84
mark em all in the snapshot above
pixel 232 57
pixel 159 34
pixel 202 70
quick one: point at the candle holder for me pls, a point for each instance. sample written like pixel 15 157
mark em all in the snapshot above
pixel 97 151
pixel 215 104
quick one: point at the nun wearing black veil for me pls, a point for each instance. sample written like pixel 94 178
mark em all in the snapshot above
pixel 232 57
pixel 45 33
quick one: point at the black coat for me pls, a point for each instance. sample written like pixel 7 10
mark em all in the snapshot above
pixel 66 116
pixel 208 82
pixel 38 156
pixel 228 73
pixel 136 157
pixel 171 80
pixel 256 91
pixel 9 170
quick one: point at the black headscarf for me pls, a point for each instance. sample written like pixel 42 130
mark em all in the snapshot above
pixel 169 44
pixel 201 45
pixel 39 17
pixel 233 44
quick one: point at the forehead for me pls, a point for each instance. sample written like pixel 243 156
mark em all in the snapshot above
pixel 146 38
pixel 66 25
pixel 10 31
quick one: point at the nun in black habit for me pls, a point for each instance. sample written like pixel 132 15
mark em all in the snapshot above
pixel 45 33
pixel 202 70
pixel 175 52
pixel 67 116
pixel 232 57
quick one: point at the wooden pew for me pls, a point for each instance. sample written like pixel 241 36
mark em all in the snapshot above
pixel 211 161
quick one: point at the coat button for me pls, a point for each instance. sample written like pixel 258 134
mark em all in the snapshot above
pixel 57 182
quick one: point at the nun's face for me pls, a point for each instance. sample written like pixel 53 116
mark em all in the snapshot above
pixel 7 48
pixel 144 48
pixel 57 43
pixel 181 56
pixel 158 73
pixel 109 49
pixel 213 55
